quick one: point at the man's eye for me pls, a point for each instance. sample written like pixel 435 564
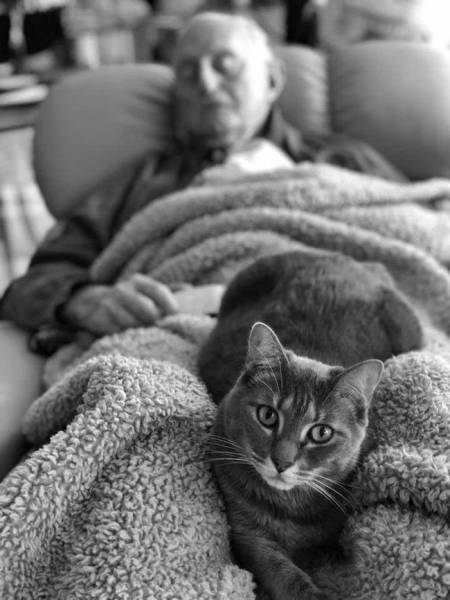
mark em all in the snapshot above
pixel 227 64
pixel 267 416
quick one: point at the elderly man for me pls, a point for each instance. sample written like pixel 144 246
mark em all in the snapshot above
pixel 226 82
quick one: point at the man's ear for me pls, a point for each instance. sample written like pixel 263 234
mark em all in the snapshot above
pixel 277 77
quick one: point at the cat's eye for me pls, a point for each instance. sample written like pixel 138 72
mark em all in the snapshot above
pixel 320 434
pixel 267 416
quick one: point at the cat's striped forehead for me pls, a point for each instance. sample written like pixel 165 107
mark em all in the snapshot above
pixel 310 367
pixel 312 374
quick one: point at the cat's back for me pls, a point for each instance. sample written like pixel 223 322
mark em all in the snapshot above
pixel 317 284
pixel 325 306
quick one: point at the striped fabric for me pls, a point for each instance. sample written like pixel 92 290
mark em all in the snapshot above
pixel 24 219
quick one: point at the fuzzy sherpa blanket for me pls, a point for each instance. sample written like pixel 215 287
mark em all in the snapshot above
pixel 118 501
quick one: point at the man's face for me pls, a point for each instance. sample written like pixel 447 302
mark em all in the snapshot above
pixel 223 89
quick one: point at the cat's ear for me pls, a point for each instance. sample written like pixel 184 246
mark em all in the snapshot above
pixel 363 376
pixel 264 347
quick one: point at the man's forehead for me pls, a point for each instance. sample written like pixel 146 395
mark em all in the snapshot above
pixel 206 36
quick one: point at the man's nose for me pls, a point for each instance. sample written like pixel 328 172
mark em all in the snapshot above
pixel 208 77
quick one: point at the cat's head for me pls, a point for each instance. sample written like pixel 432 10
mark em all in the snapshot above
pixel 296 421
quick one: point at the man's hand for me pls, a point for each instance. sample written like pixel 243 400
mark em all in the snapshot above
pixel 104 309
pixel 200 300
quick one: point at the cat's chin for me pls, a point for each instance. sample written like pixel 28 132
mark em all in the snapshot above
pixel 279 483
pixel 282 482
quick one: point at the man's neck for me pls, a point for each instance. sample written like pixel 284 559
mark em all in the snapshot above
pixel 196 155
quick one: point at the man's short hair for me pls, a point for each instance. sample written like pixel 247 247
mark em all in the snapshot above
pixel 251 27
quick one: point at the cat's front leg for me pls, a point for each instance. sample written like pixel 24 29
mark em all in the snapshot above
pixel 273 569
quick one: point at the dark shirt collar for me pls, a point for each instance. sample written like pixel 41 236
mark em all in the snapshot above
pixel 276 129
pixel 281 133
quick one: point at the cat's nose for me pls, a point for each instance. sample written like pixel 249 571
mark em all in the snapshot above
pixel 283 454
pixel 281 464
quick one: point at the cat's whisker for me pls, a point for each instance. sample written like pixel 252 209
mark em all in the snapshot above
pixel 225 451
pixel 318 488
pixel 331 490
pixel 230 455
pixel 228 452
pixel 223 441
pixel 223 455
pixel 226 455
pixel 344 507
pixel 256 458
pixel 324 481
pixel 214 436
pixel 223 446
pixel 344 487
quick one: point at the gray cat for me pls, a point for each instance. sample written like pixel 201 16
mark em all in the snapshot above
pixel 292 421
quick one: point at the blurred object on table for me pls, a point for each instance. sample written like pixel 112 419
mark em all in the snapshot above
pixel 301 22
pixel 108 31
pixel 22 94
pixel 347 21
pixel 31 36
pixel 24 217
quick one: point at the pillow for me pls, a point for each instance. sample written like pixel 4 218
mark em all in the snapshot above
pixel 304 100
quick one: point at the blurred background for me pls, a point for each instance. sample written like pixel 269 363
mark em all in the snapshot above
pixel 46 36
pixel 42 41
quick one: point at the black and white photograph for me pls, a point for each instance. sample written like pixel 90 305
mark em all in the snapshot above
pixel 224 300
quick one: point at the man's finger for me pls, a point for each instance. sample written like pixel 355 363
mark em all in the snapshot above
pixel 202 300
pixel 116 317
pixel 141 306
pixel 156 291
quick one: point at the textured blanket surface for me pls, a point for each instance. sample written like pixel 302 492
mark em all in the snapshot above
pixel 118 501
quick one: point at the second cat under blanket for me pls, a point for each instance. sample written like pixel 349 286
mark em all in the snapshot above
pixel 293 362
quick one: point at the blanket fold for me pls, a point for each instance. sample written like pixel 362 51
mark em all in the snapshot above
pixel 117 501
pixel 123 505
